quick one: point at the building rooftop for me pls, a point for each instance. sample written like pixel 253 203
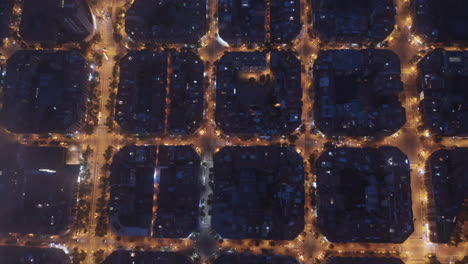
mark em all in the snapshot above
pixel 258 193
pixel 143 92
pixel 443 78
pixel 258 93
pixel 360 21
pixel 241 258
pixel 137 209
pixel 245 21
pixel 363 260
pixel 364 195
pixel 177 174
pixel 25 208
pixel 357 93
pixel 185 93
pixel 150 257
pixel 167 21
pixel 6 9
pixel 448 186
pixel 241 22
pixel 14 255
pixel 441 21
pixel 141 98
pixel 285 20
pixel 132 189
pixel 44 92
pixel 56 21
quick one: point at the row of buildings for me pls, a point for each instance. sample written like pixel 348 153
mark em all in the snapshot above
pixel 11 255
pixel 447 182
pixel 258 193
pixel 127 257
pixel 333 21
pixel 155 191
pixel 14 255
pixel 364 195
pixel 441 21
pixel 141 98
pixel 442 82
pixel 258 93
pixel 357 93
pixel 6 12
pixel 186 93
pixel 167 21
pixel 37 190
pixel 44 92
pixel 48 21
pixel 148 80
pixel 245 21
pixel 56 21
pixel 241 21
pixel 359 21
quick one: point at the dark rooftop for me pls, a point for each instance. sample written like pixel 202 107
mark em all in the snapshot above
pixel 177 174
pixel 357 93
pixel 150 257
pixel 443 78
pixel 285 20
pixel 15 255
pixel 6 8
pixel 44 92
pixel 25 208
pixel 241 21
pixel 360 21
pixel 186 93
pixel 56 21
pixel 441 20
pixel 238 258
pixel 141 99
pixel 143 87
pixel 244 21
pixel 258 93
pixel 363 260
pixel 364 195
pixel 132 188
pixel 167 21
pixel 448 184
pixel 135 173
pixel 258 193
